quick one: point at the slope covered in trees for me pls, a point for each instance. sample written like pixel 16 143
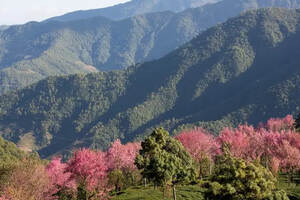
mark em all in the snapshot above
pixel 34 51
pixel 243 70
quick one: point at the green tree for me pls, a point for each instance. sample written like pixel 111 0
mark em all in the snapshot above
pixel 164 160
pixel 117 179
pixel 236 179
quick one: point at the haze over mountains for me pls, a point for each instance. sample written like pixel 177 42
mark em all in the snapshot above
pixel 34 51
pixel 246 69
pixel 134 8
pixel 3 27
pixel 138 7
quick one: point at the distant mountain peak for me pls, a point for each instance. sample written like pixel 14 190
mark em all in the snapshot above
pixel 34 51
pixel 133 8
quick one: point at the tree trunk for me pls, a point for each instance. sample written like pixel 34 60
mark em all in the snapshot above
pixel 200 172
pixel 132 179
pixel 174 193
pixel 290 178
pixel 145 182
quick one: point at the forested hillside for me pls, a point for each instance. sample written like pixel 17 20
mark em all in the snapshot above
pixel 34 51
pixel 245 70
pixel 58 48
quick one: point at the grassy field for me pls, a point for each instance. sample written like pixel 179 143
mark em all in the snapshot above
pixel 149 193
pixel 293 189
pixel 192 192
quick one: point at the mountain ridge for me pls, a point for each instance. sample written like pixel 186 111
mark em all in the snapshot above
pixel 35 51
pixel 244 70
pixel 133 8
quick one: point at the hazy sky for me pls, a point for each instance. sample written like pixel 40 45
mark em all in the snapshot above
pixel 21 11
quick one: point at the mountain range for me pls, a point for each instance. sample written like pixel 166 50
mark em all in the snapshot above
pixel 244 70
pixel 138 7
pixel 3 27
pixel 133 8
pixel 34 51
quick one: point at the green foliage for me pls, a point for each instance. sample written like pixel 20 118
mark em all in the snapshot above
pixel 83 193
pixel 164 160
pixel 220 78
pixel 205 167
pixel 121 180
pixel 9 153
pixel 292 189
pixel 236 179
pixel 117 179
pixel 95 42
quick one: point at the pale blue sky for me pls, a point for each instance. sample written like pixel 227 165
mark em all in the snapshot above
pixel 21 11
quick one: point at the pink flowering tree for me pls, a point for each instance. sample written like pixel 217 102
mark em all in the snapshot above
pixel 274 144
pixel 61 182
pixel 89 170
pixel 202 147
pixel 244 142
pixel 3 197
pixel 120 160
pixel 280 124
pixel 121 156
pixel 283 146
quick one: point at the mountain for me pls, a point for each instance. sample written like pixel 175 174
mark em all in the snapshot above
pixel 245 70
pixel 34 51
pixel 3 27
pixel 138 7
pixel 133 8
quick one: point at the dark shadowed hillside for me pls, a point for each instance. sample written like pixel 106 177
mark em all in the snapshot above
pixel 246 69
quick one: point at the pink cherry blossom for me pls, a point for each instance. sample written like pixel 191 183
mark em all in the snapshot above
pixel 199 144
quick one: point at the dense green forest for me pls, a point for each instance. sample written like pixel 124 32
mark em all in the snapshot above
pixel 243 70
pixel 34 51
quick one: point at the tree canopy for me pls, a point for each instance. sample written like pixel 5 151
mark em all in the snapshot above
pixel 236 179
pixel 164 160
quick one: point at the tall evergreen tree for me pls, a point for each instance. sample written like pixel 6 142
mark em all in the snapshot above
pixel 164 160
pixel 236 179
